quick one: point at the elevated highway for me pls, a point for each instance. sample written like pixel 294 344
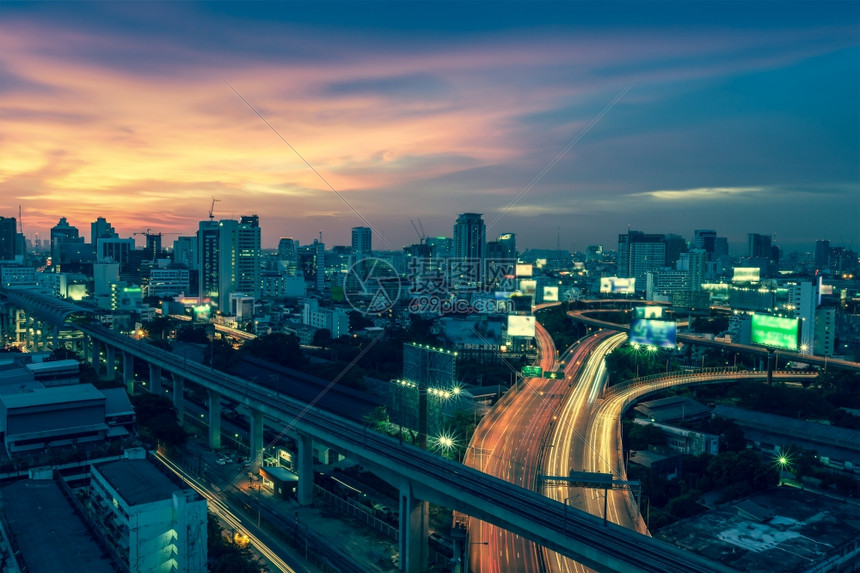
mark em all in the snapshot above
pixel 422 476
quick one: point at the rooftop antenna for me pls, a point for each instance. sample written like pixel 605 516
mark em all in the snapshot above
pixel 212 208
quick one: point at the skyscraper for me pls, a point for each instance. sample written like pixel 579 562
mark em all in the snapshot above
pixel 61 232
pixel 8 239
pixel 229 259
pixel 288 254
pixel 822 254
pixel 759 246
pixel 639 253
pixel 362 238
pixel 469 249
pixel 675 245
pixel 508 245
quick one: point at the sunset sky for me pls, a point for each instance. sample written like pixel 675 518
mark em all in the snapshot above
pixel 738 117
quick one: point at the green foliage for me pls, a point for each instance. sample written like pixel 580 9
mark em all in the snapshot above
pixel 322 337
pixel 563 330
pixel 279 348
pixel 157 420
pixel 195 334
pixel 639 437
pixel 711 324
pixel 219 354
pixel 357 321
pixel 157 329
pixel 731 435
pixel 62 353
pixel 226 556
pixel 377 418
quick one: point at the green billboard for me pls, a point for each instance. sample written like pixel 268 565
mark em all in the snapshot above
pixel 774 331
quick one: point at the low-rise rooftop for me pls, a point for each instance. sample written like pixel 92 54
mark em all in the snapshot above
pixel 137 481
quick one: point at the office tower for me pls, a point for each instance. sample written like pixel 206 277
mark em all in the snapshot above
pixel 704 239
pixel 639 253
pixel 8 239
pixel 441 247
pixel 185 252
pixel 288 255
pixel 153 246
pixel 319 263
pixel 697 265
pixel 802 302
pixel 675 245
pixel 822 254
pixel 229 259
pixel 469 249
pixel 248 239
pixel 362 242
pixel 508 245
pixel 101 229
pixel 60 233
pixel 721 248
pixel 759 246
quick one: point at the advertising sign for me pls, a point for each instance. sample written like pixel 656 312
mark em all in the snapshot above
pixel 649 312
pixel 521 325
pixel 650 332
pixel 774 331
pixel 610 285
pixel 550 294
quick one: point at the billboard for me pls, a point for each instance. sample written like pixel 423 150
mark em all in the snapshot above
pixel 428 366
pixel 653 332
pixel 649 312
pixel 746 274
pixel 774 331
pixel 524 270
pixel 528 287
pixel 617 285
pixel 550 294
pixel 521 325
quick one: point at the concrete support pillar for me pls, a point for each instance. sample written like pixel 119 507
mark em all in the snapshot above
pixel 85 344
pixel 413 531
pixel 305 469
pixel 95 359
pixel 179 397
pixel 128 372
pixel 28 332
pixel 110 362
pixel 256 454
pixel 214 420
pixel 154 379
pixel 55 337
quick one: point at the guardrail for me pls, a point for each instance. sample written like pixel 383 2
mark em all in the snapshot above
pixel 705 374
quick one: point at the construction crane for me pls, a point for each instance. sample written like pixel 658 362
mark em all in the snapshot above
pixel 421 235
pixel 212 208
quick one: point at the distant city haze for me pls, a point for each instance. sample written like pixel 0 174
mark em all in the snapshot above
pixel 737 117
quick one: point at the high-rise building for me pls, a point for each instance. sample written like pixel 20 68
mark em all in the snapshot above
pixel 704 239
pixel 802 303
pixel 101 229
pixel 675 245
pixel 228 259
pixel 441 247
pixel 639 253
pixel 508 245
pixel 822 254
pixel 759 246
pixel 319 263
pixel 8 239
pixel 248 247
pixel 469 249
pixel 362 238
pixel 288 255
pixel 185 252
pixel 61 232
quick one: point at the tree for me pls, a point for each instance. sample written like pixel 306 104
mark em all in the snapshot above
pixel 157 419
pixel 358 321
pixel 62 353
pixel 322 338
pixel 377 418
pixel 279 348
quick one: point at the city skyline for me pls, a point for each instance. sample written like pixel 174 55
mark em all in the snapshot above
pixel 742 119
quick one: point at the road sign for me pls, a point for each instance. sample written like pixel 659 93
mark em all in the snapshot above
pixel 553 374
pixel 532 371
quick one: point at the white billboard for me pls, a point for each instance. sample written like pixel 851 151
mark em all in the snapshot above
pixel 521 325
pixel 550 294
pixel 616 285
pixel 745 274
pixel 528 287
pixel 524 270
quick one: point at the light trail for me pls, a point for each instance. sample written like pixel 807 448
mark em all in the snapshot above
pixel 223 512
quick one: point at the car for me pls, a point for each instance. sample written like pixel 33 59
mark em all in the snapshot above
pixel 221 462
